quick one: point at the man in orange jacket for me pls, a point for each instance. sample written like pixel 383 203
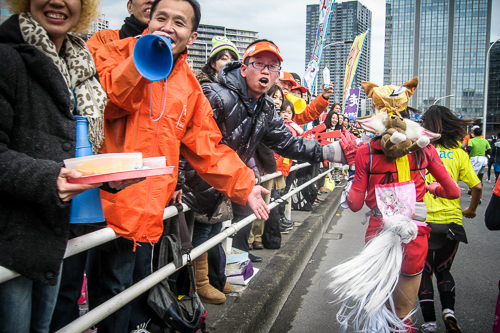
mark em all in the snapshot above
pixel 161 118
pixel 74 267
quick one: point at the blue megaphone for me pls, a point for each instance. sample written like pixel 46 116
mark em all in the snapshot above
pixel 153 57
pixel 86 207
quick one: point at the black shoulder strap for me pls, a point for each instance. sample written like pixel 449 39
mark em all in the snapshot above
pixel 184 235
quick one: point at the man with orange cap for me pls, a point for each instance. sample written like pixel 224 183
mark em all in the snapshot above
pixel 246 117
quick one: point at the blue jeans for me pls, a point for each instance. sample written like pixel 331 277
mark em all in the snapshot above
pixel 26 306
pixel 204 231
pixel 118 267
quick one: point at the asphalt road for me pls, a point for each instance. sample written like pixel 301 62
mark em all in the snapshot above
pixel 476 270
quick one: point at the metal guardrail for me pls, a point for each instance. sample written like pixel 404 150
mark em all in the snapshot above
pixel 88 241
pixel 91 318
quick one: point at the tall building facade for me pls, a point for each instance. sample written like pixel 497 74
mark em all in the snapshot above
pixel 348 20
pixel 493 117
pixel 100 24
pixel 199 52
pixel 444 43
pixel 4 12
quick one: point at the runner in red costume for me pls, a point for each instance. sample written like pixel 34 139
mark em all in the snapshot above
pixel 373 168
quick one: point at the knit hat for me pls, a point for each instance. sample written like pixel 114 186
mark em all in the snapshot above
pixel 220 43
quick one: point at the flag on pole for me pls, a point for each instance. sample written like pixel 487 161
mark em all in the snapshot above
pixel 326 7
pixel 352 103
pixel 352 64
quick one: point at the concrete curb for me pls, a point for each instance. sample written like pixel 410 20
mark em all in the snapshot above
pixel 258 306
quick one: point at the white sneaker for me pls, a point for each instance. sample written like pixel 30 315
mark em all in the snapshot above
pixel 428 328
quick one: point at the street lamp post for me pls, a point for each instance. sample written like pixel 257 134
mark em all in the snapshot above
pixel 486 82
pixel 442 98
pixel 334 43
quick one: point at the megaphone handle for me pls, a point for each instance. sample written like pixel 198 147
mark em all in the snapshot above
pixel 163 106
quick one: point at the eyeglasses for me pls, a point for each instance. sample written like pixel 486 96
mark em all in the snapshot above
pixel 260 66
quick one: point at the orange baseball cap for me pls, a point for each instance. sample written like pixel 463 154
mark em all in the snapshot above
pixel 302 89
pixel 285 76
pixel 262 47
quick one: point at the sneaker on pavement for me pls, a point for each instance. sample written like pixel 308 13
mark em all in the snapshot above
pixel 428 328
pixel 450 322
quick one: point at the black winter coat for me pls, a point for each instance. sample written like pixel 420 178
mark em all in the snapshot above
pixel 244 124
pixel 37 131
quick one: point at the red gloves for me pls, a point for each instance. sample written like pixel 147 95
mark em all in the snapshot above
pixel 349 146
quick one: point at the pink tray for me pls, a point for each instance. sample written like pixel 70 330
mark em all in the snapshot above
pixel 121 175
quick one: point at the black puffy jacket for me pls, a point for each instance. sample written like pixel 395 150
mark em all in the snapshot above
pixel 244 124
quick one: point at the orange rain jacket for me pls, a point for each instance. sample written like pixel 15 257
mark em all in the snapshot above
pixel 101 38
pixel 185 125
pixel 312 111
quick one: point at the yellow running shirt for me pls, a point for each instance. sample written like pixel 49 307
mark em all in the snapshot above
pixel 458 165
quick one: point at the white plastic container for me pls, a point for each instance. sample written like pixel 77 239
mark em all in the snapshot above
pixel 154 162
pixel 326 78
pixel 104 163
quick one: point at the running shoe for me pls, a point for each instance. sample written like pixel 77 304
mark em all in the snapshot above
pixel 450 322
pixel 428 328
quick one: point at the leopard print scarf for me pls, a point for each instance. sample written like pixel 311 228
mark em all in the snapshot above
pixel 77 67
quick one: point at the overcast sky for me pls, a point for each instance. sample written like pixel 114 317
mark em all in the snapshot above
pixel 283 22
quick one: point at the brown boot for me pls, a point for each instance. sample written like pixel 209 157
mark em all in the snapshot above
pixel 227 288
pixel 206 292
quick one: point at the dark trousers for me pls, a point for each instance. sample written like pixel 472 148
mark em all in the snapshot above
pixel 240 239
pixel 118 268
pixel 438 262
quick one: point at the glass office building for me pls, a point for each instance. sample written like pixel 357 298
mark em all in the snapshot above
pixel 444 43
pixel 348 20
